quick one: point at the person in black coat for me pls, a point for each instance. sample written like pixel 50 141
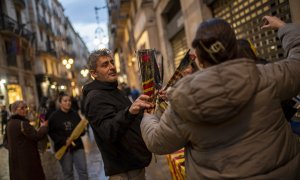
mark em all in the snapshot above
pixel 22 138
pixel 51 108
pixel 62 122
pixel 4 118
pixel 115 120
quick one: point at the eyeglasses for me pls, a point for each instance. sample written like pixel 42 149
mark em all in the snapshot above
pixel 24 108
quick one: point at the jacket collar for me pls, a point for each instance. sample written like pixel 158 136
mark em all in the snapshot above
pixel 16 116
pixel 96 85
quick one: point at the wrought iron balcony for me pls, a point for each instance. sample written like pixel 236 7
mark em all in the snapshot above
pixel 45 4
pixel 11 59
pixel 28 35
pixel 55 13
pixel 9 25
pixel 48 51
pixel 45 25
pixel 27 64
pixel 69 40
pixel 20 3
pixel 42 22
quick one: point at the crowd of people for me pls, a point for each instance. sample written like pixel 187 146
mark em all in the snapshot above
pixel 26 138
pixel 229 117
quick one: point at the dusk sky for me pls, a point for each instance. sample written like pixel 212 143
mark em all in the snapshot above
pixel 83 18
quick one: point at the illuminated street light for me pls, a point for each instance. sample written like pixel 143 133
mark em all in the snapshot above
pixel 84 72
pixel 68 66
pixel 62 87
pixel 65 62
pixel 70 61
pixel 2 81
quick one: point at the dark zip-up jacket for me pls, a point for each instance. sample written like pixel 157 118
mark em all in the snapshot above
pixel 117 132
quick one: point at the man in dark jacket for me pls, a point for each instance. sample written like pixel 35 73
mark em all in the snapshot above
pixel 115 120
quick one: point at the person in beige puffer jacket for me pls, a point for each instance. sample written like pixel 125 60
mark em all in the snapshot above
pixel 228 117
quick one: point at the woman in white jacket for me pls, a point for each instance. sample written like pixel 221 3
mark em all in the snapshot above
pixel 228 117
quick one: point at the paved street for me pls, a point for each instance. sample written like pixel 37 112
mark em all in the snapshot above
pixel 4 172
pixel 158 169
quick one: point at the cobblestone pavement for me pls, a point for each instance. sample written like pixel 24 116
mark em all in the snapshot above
pixel 158 169
pixel 4 169
pixel 52 167
pixel 94 159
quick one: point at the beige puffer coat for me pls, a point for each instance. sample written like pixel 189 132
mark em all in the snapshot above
pixel 230 121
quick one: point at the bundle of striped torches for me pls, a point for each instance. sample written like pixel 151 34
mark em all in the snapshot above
pixel 150 74
pixel 152 78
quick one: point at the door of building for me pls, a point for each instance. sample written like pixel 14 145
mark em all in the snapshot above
pixel 179 46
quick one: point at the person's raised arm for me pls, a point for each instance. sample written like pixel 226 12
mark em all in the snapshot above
pixel 285 73
pixel 272 22
pixel 162 135
pixel 108 121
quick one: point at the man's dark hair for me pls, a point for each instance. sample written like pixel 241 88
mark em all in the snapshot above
pixel 95 55
pixel 61 95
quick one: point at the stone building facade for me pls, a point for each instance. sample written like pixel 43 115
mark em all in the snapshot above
pixel 35 38
pixel 169 26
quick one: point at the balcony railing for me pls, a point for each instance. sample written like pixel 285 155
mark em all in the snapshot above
pixel 49 29
pixel 49 51
pixel 42 21
pixel 55 13
pixel 12 60
pixel 7 23
pixel 20 3
pixel 10 25
pixel 69 40
pixel 27 64
pixel 45 4
pixel 28 35
pixel 45 25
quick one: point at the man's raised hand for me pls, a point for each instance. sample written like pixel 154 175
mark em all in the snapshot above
pixel 142 102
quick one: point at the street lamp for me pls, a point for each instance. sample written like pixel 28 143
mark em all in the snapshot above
pixel 68 66
pixel 2 81
pixel 84 72
pixel 68 63
pixel 53 86
pixel 65 62
pixel 62 87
